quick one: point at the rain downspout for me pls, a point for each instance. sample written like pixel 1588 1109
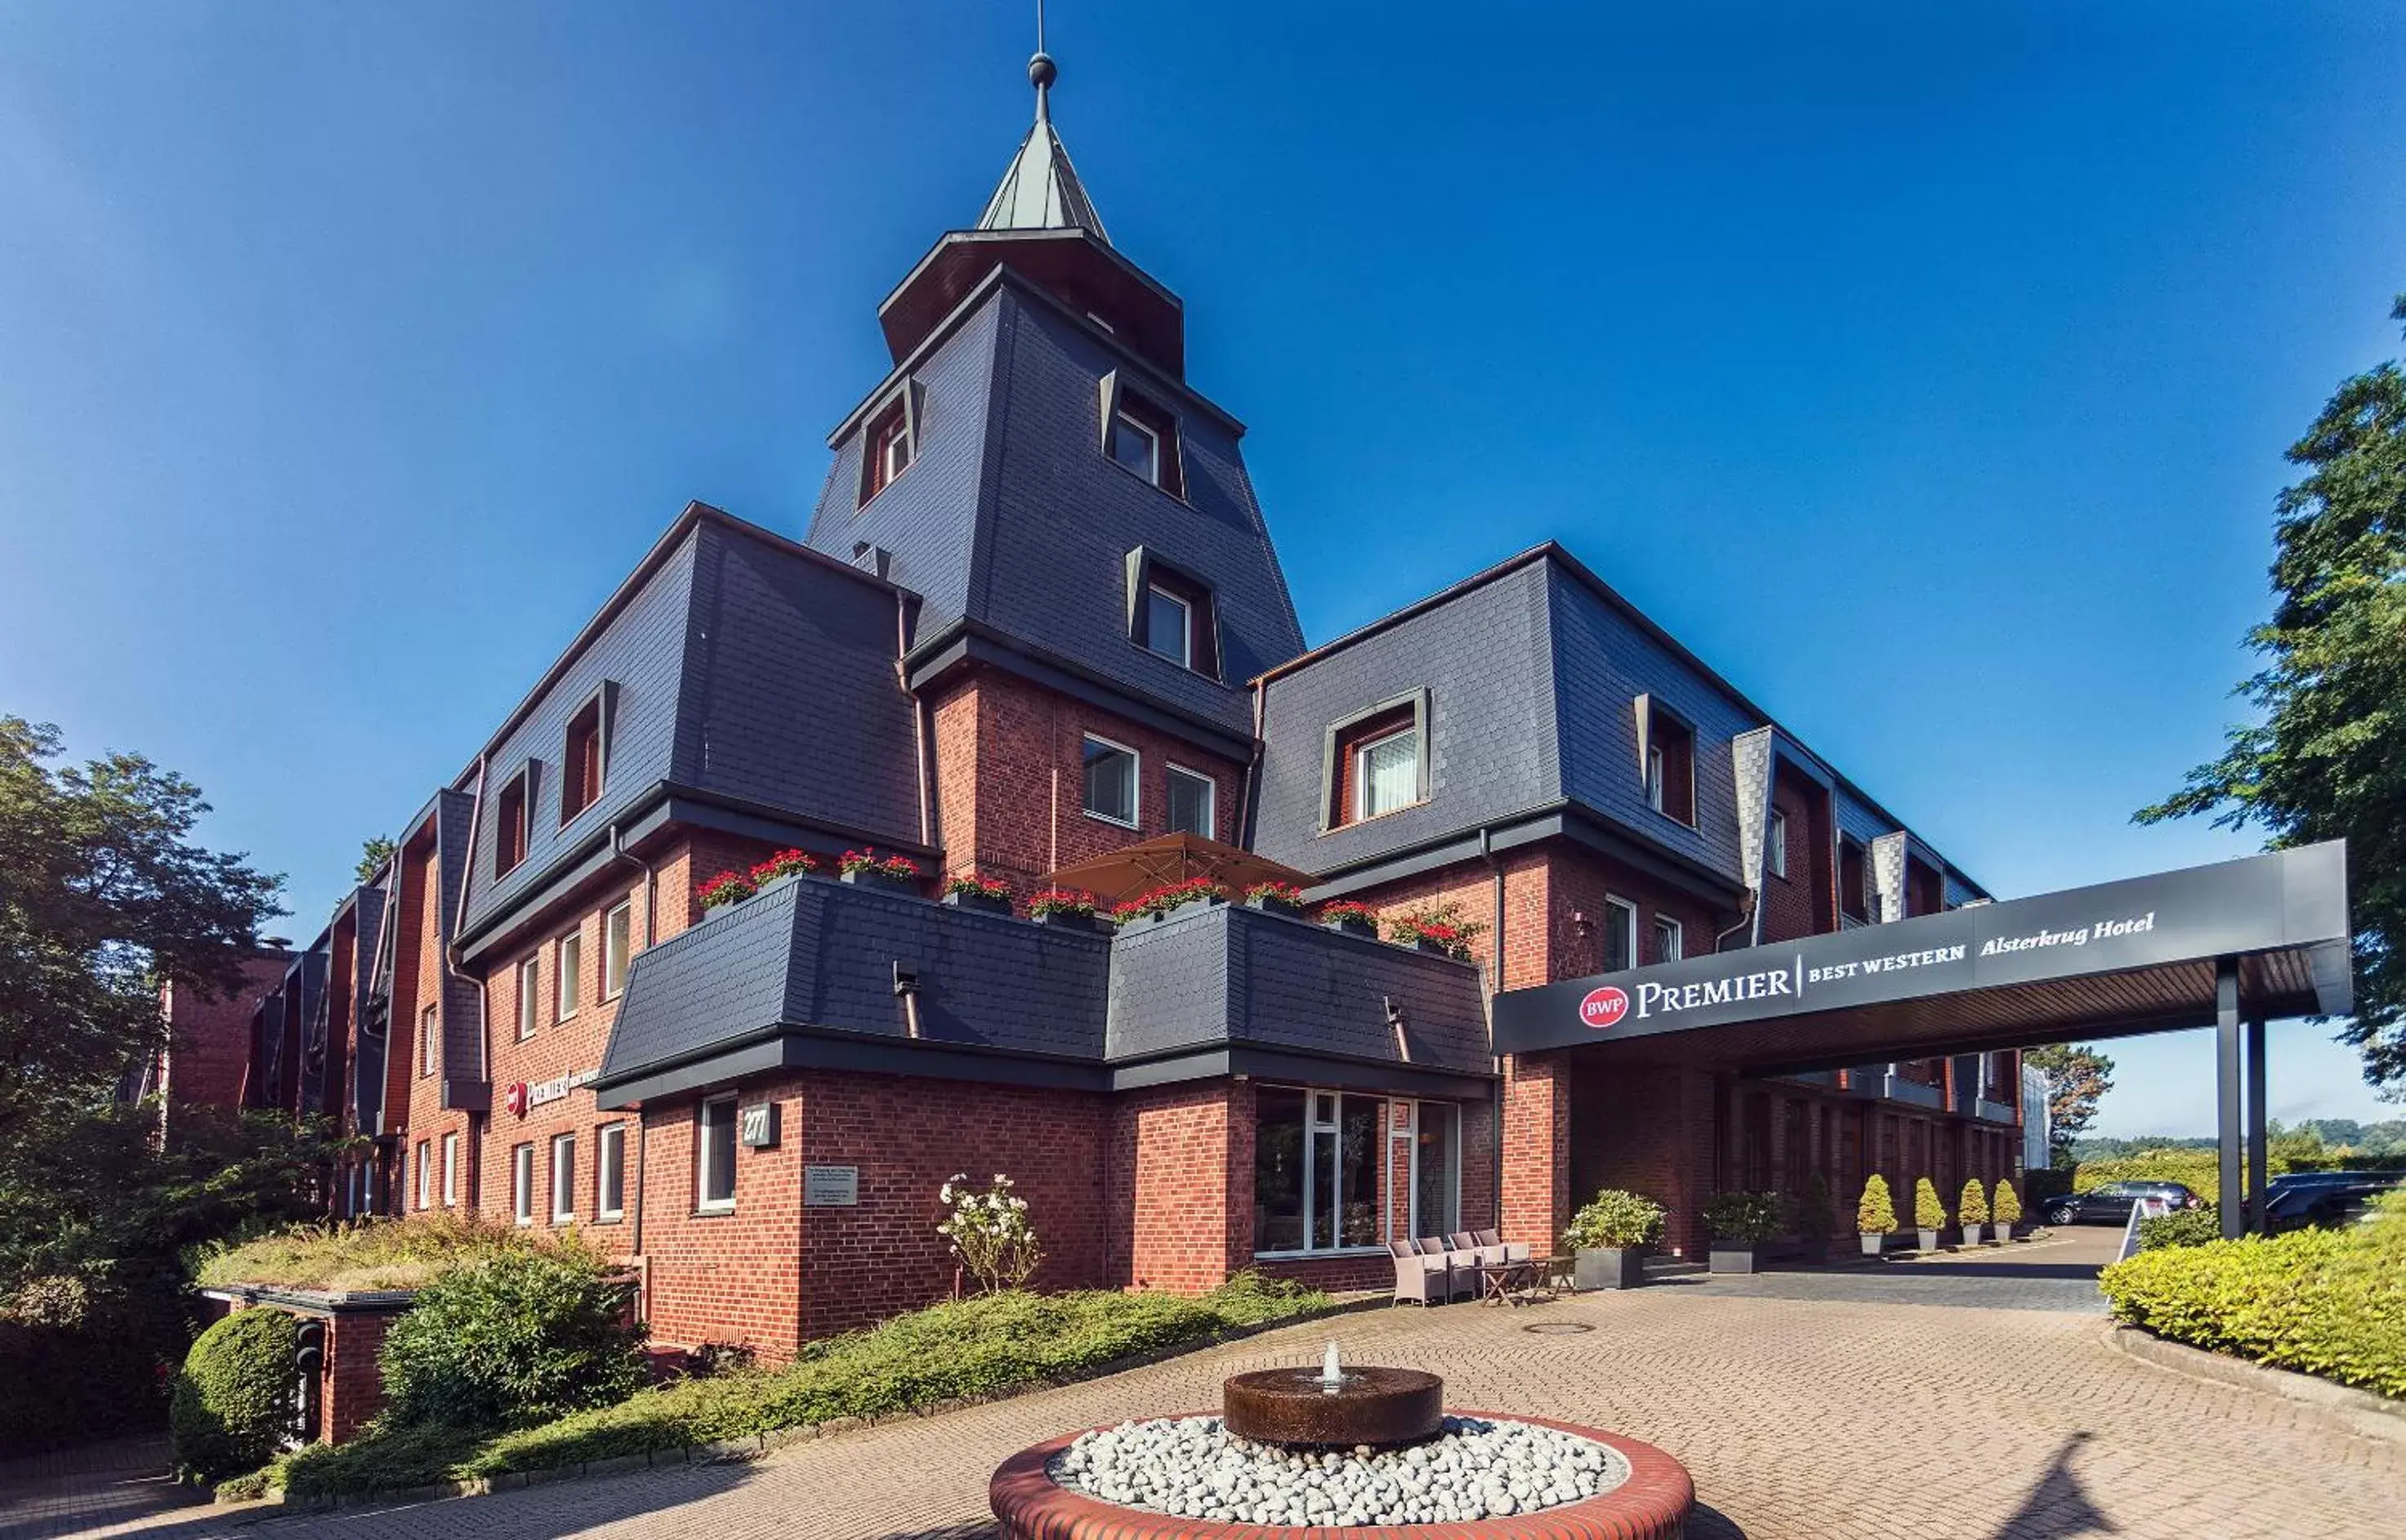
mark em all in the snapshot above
pixel 1495 986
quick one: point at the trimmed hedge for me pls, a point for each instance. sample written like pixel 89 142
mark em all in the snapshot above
pixel 231 1406
pixel 979 1347
pixel 2330 1303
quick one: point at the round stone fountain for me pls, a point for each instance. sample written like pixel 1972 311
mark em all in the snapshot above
pixel 1342 1452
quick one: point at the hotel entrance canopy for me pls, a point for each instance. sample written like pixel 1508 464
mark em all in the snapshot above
pixel 2147 955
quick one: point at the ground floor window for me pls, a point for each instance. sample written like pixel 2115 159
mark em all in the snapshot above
pixel 610 1177
pixel 1338 1171
pixel 522 1183
pixel 715 1173
pixel 563 1179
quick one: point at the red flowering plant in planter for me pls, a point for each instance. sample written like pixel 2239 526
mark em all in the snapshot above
pixel 901 867
pixel 1062 901
pixel 1275 895
pixel 1161 901
pixel 785 863
pixel 1441 927
pixel 974 886
pixel 1349 912
pixel 728 887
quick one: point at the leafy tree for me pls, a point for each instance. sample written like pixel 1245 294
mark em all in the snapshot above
pixel 104 897
pixel 374 851
pixel 2329 759
pixel 2077 1078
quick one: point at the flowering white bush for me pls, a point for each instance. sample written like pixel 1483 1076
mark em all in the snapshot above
pixel 989 1232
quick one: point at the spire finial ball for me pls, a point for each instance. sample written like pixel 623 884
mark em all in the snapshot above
pixel 1041 71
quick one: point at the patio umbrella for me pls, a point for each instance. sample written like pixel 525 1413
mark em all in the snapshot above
pixel 1173 858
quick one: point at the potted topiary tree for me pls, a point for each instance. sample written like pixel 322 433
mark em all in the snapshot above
pixel 1972 1211
pixel 1738 1224
pixel 1610 1238
pixel 1875 1215
pixel 2007 1211
pixel 1929 1214
pixel 1811 1214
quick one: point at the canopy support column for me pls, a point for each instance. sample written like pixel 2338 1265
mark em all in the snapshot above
pixel 2257 1193
pixel 2227 1093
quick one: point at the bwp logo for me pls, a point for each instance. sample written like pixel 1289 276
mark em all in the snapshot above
pixel 1604 1008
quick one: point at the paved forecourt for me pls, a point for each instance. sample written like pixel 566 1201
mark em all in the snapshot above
pixel 1943 1398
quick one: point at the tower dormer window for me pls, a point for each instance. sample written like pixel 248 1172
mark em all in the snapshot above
pixel 1140 436
pixel 510 822
pixel 1169 626
pixel 890 442
pixel 1171 614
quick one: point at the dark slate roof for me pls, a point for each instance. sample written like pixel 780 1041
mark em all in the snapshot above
pixel 1226 974
pixel 1533 669
pixel 740 666
pixel 814 953
pixel 463 1025
pixel 305 983
pixel 367 1048
pixel 1013 519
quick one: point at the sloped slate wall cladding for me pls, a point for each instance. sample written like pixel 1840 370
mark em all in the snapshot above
pixel 643 649
pixel 1484 660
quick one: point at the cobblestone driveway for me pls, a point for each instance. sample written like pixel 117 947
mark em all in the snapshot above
pixel 1939 1399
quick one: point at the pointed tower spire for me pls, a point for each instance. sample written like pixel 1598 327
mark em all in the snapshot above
pixel 1041 190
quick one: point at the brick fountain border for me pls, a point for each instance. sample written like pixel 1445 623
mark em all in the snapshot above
pixel 1652 1505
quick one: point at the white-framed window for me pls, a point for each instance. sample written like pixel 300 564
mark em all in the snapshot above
pixel 1670 939
pixel 425 1157
pixel 1654 776
pixel 563 1179
pixel 893 451
pixel 1135 445
pixel 1387 772
pixel 1776 844
pixel 714 1156
pixel 1110 777
pixel 570 966
pixel 522 1183
pixel 529 997
pixel 1619 935
pixel 617 938
pixel 450 1170
pixel 1169 626
pixel 610 1171
pixel 1326 1163
pixel 1192 800
pixel 429 1021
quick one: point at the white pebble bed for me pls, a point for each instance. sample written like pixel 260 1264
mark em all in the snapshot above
pixel 1195 1468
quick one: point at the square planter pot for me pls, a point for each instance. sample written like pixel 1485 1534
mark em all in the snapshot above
pixel 979 902
pixel 1434 949
pixel 1068 920
pixel 1971 1235
pixel 1929 1240
pixel 878 882
pixel 1353 926
pixel 1730 1256
pixel 1275 906
pixel 1609 1267
pixel 1874 1244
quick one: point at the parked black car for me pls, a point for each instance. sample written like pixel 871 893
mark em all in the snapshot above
pixel 2111 1202
pixel 2323 1198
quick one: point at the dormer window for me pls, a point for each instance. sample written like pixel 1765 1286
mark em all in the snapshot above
pixel 1170 614
pixel 581 758
pixel 1377 761
pixel 1169 626
pixel 889 443
pixel 1670 766
pixel 510 824
pixel 1140 436
pixel 1854 885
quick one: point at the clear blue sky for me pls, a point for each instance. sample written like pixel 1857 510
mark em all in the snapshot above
pixel 1927 373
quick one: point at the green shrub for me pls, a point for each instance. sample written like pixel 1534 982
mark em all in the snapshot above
pixel 1928 1212
pixel 232 1405
pixel 2008 1208
pixel 984 1346
pixel 517 1338
pixel 2181 1227
pixel 2330 1303
pixel 82 1357
pixel 2196 1169
pixel 1743 1217
pixel 1615 1221
pixel 1875 1214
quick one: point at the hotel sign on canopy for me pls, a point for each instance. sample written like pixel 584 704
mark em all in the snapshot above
pixel 2289 898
